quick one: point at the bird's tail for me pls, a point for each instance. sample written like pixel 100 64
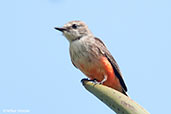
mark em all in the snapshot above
pixel 123 91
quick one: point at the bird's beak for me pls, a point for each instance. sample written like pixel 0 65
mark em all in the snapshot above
pixel 60 29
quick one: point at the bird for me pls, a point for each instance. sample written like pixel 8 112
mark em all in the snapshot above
pixel 90 55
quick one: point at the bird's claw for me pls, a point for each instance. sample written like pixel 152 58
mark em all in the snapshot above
pixel 92 80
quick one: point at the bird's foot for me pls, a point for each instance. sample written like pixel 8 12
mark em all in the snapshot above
pixel 92 80
pixel 104 79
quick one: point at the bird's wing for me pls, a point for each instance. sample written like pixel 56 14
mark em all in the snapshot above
pixel 106 53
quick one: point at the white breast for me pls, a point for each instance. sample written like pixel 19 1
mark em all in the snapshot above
pixel 80 52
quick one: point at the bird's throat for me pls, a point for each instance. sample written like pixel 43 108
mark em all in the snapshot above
pixel 78 38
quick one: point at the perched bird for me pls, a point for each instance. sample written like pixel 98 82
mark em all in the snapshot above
pixel 90 55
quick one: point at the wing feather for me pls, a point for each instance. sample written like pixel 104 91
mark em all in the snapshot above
pixel 110 58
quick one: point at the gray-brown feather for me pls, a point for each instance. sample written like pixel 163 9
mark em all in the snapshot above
pixel 105 52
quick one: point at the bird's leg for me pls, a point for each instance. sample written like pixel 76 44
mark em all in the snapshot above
pixel 104 79
pixel 95 80
pixel 86 79
pixel 99 82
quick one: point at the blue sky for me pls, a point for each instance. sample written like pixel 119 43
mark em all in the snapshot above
pixel 35 68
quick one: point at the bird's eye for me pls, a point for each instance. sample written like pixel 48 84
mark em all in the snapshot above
pixel 74 26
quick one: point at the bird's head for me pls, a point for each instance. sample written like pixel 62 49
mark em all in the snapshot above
pixel 74 30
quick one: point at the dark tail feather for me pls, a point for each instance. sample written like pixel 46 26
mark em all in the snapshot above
pixel 124 93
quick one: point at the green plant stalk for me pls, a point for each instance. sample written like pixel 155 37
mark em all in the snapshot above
pixel 117 101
